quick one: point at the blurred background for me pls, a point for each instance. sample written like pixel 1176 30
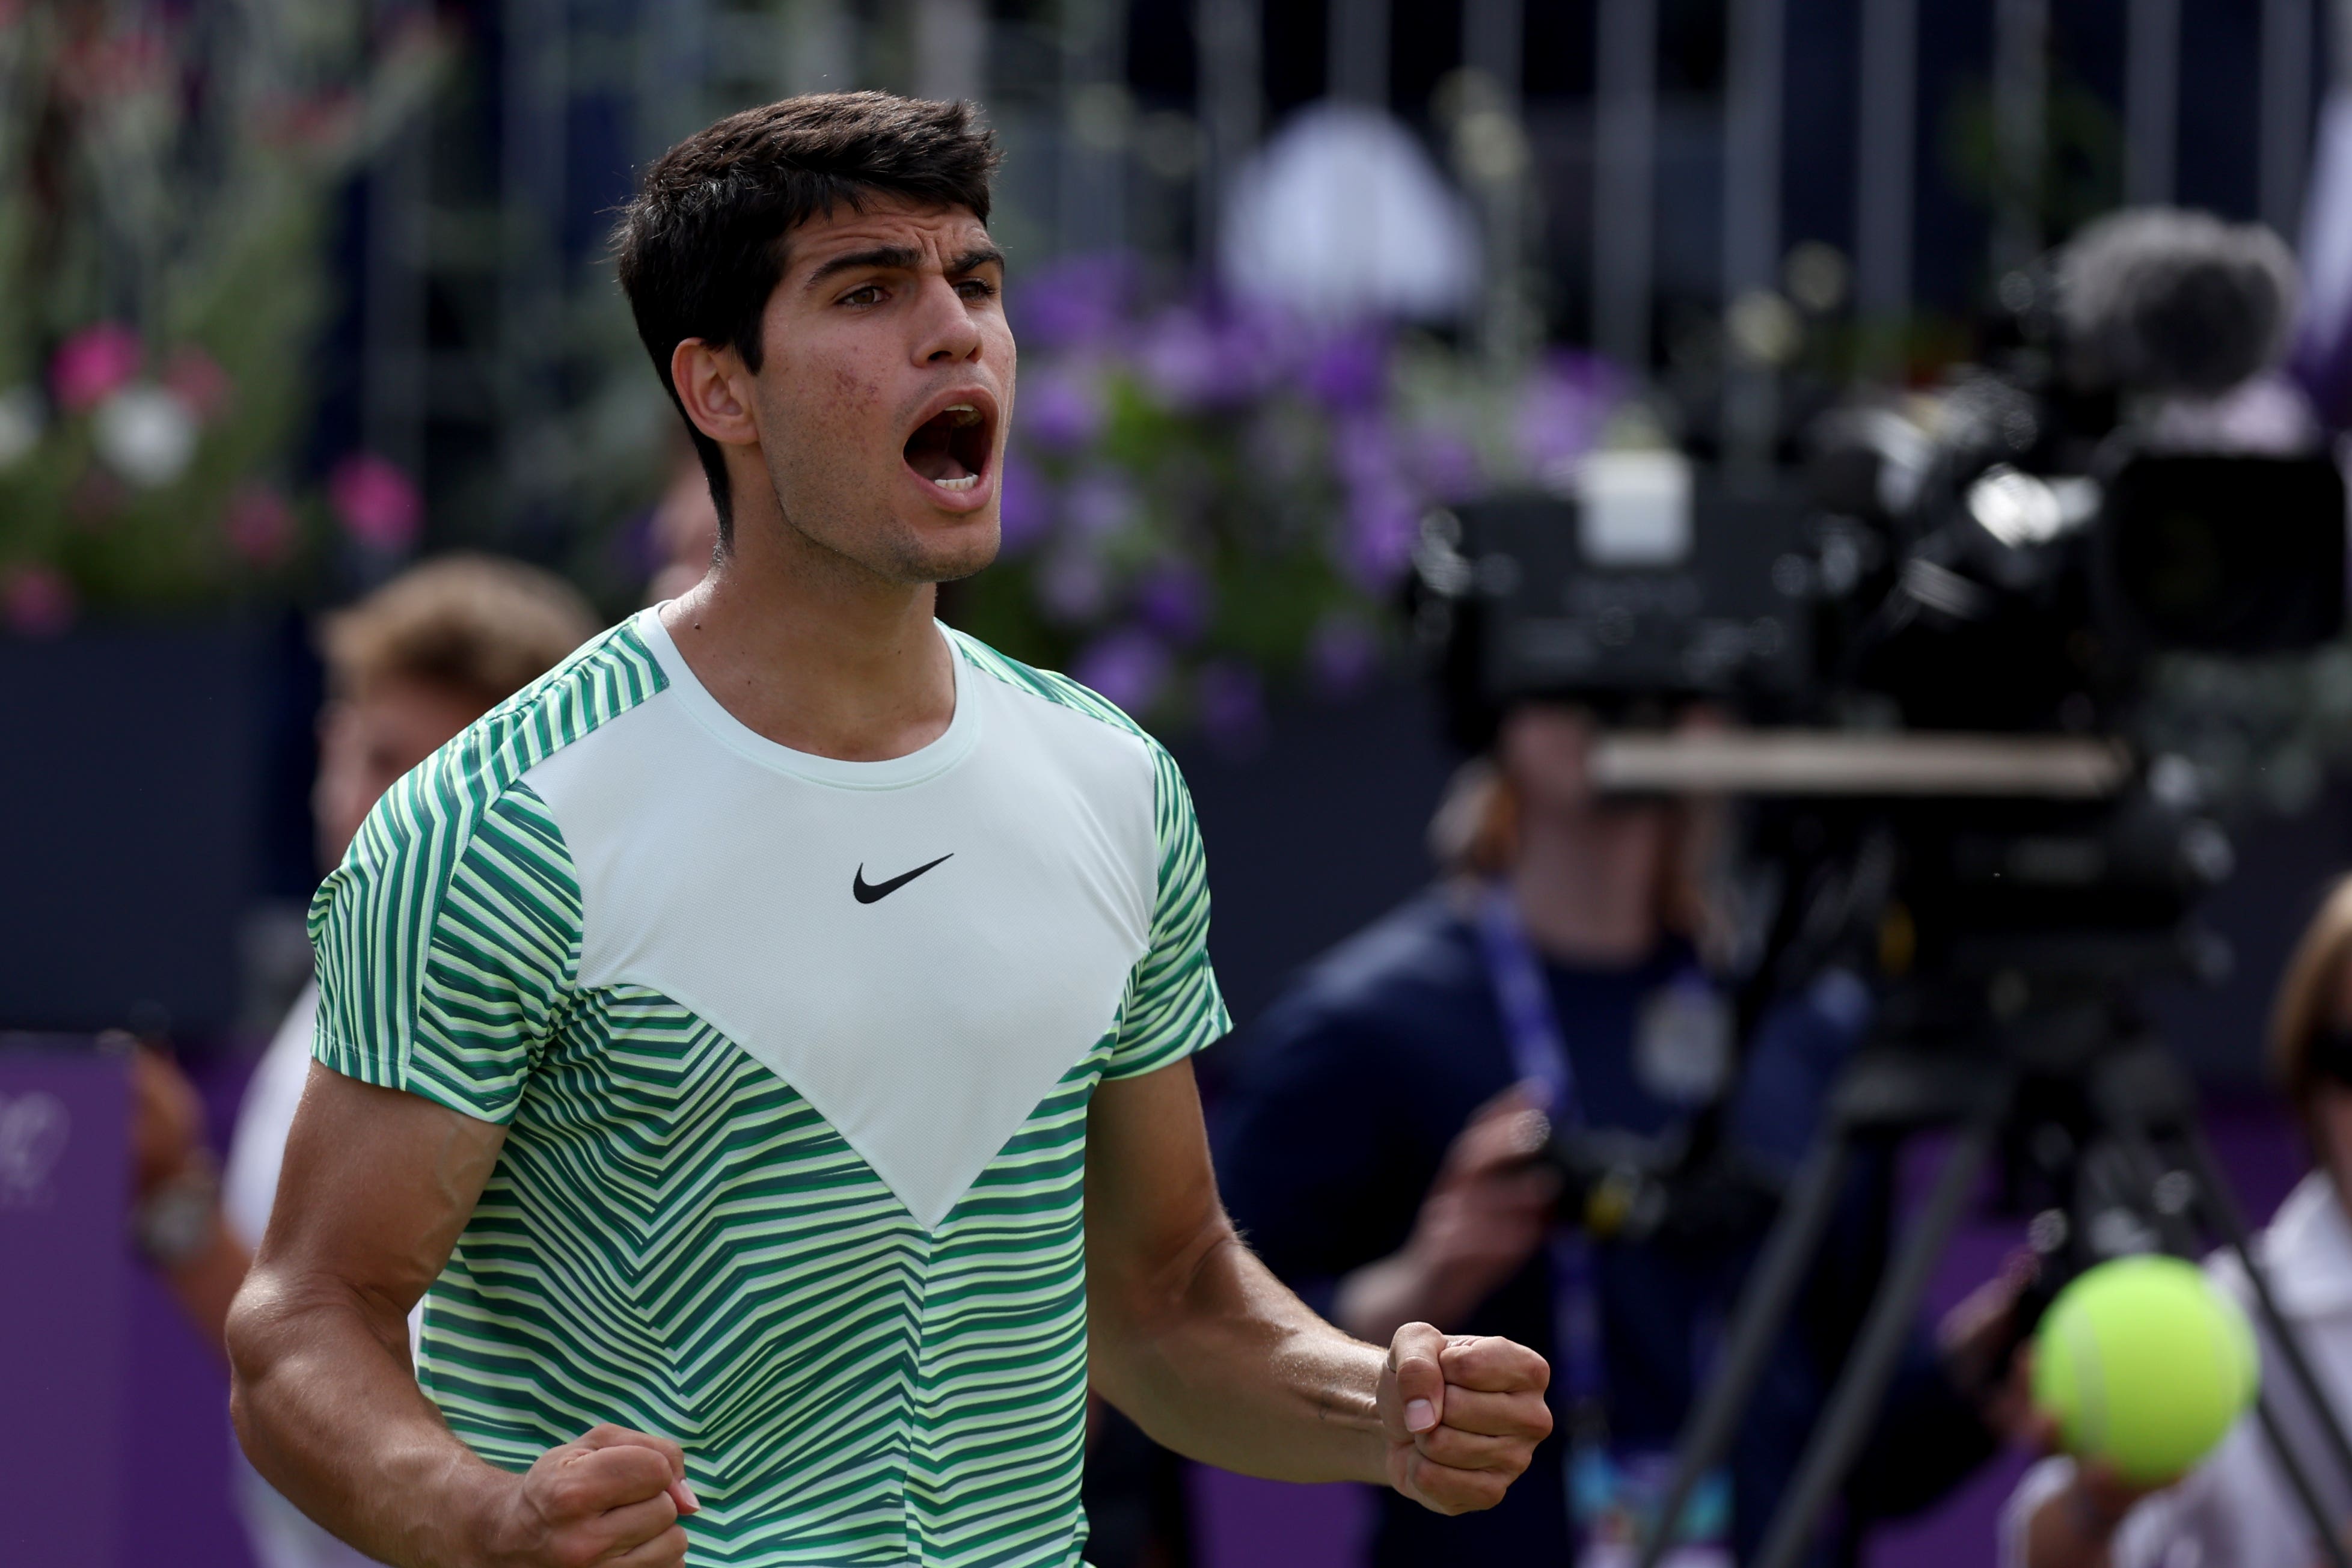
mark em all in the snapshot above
pixel 296 292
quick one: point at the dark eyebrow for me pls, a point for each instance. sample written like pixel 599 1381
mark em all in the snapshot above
pixel 882 257
pixel 972 260
pixel 904 259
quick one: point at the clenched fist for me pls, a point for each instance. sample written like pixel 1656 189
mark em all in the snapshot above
pixel 611 1500
pixel 1462 1415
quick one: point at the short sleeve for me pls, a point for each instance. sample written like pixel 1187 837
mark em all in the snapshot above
pixel 445 945
pixel 1172 1006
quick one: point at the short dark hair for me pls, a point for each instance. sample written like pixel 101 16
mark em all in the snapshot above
pixel 701 247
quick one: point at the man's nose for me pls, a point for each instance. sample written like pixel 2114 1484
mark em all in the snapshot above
pixel 948 333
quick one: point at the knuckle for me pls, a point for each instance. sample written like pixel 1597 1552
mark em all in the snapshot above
pixel 569 1494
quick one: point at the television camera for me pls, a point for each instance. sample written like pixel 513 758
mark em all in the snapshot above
pixel 1933 634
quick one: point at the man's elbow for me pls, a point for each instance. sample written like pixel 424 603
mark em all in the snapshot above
pixel 1156 1296
pixel 259 1321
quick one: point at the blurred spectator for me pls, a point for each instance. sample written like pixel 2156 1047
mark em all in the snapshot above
pixel 685 529
pixel 2237 1507
pixel 1379 1153
pixel 407 668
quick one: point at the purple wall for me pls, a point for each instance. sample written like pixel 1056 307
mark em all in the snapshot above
pixel 63 1304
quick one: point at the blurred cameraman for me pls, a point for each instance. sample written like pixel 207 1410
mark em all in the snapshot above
pixel 407 668
pixel 1381 1153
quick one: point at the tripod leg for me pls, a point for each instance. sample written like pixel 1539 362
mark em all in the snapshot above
pixel 2331 1541
pixel 1755 1332
pixel 1854 1403
pixel 2222 1207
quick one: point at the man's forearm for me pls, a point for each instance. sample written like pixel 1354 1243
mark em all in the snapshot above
pixel 1227 1366
pixel 326 1407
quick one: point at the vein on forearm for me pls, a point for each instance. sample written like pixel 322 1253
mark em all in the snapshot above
pixel 1225 1365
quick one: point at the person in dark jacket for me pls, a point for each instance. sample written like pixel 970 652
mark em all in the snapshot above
pixel 1556 978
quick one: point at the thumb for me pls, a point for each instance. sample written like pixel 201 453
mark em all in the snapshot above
pixel 1419 1401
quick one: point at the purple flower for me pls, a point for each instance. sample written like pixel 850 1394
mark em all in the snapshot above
pixel 1175 600
pixel 1364 452
pixel 1446 464
pixel 1060 409
pixel 1099 501
pixel 1129 665
pixel 1076 302
pixel 1381 522
pixel 1072 587
pixel 1562 408
pixel 1341 655
pixel 1350 370
pixel 1231 705
pixel 1194 358
pixel 1025 507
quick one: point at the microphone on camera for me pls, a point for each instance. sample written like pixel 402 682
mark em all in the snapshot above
pixel 2156 299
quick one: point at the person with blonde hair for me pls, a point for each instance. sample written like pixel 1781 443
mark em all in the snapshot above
pixel 2237 1507
pixel 408 666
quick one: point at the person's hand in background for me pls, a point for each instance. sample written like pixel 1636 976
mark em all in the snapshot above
pixel 1989 1357
pixel 167 1123
pixel 1484 1218
pixel 175 1195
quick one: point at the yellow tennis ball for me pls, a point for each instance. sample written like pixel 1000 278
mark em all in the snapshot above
pixel 2144 1365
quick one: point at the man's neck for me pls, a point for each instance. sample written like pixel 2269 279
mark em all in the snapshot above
pixel 1587 885
pixel 814 652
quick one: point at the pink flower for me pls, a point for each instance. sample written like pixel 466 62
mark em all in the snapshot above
pixel 259 525
pixel 36 602
pixel 376 503
pixel 199 380
pixel 93 363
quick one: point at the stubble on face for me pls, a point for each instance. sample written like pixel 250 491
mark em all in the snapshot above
pixel 853 359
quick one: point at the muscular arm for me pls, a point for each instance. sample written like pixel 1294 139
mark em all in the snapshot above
pixel 1214 1357
pixel 376 1187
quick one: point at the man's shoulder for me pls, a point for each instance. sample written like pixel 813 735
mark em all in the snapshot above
pixel 1050 687
pixel 473 789
pixel 483 764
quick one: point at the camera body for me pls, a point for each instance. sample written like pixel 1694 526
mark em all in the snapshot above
pixel 1998 599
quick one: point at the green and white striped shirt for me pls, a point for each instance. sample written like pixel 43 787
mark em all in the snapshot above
pixel 794 1056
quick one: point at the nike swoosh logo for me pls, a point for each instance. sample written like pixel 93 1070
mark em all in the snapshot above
pixel 866 892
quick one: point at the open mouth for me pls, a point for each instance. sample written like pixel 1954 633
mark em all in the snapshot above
pixel 951 448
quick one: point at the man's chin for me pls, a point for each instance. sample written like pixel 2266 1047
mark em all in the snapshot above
pixel 946 553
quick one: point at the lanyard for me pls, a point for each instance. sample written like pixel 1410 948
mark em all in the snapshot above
pixel 1613 1501
pixel 1539 1057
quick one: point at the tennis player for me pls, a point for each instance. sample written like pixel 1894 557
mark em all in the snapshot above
pixel 763 1043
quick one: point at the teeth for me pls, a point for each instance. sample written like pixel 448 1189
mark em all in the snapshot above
pixel 964 483
pixel 965 414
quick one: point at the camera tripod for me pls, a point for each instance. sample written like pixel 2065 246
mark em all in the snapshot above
pixel 2075 1074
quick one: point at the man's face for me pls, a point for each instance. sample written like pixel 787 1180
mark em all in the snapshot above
pixel 886 386
pixel 367 742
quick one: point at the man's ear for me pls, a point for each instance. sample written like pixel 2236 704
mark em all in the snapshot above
pixel 715 389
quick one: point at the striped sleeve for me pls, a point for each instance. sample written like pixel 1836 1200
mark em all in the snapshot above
pixel 1172 1006
pixel 445 943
